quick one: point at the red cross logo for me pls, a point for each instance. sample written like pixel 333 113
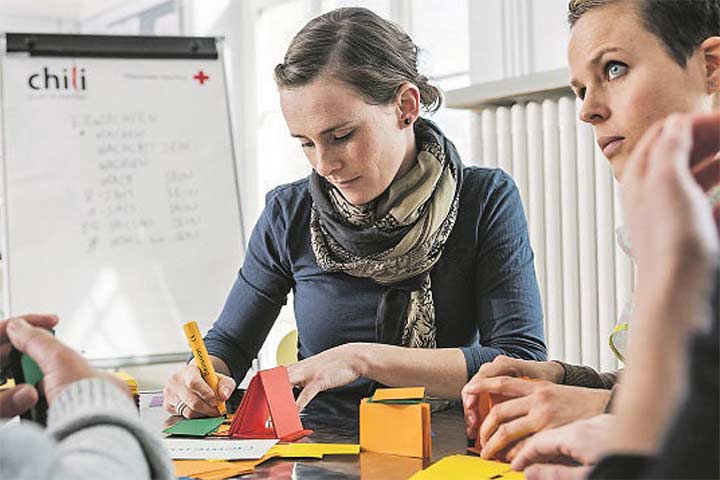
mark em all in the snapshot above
pixel 201 77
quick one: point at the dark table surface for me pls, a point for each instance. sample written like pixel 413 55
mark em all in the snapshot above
pixel 334 419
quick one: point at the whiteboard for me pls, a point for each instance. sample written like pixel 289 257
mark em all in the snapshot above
pixel 121 203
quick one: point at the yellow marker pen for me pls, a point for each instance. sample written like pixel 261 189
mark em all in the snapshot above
pixel 207 370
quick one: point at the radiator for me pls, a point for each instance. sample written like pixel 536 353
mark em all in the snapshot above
pixel 573 209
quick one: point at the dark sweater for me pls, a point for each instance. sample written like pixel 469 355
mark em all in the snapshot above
pixel 486 296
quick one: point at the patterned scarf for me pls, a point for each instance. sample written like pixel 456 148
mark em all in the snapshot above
pixel 395 239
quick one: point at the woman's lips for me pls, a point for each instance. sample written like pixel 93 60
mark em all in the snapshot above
pixel 346 183
pixel 610 145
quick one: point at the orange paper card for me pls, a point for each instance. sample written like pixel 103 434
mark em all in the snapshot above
pixel 414 393
pixel 399 429
pixel 268 409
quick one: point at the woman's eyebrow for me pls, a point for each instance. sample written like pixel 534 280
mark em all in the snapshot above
pixel 596 58
pixel 327 130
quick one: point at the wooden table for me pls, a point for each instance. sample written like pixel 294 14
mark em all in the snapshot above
pixel 336 421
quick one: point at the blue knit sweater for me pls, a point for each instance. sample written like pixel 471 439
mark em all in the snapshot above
pixel 486 296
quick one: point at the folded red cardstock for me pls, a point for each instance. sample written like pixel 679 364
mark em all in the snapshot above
pixel 268 409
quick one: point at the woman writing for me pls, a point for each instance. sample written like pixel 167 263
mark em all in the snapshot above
pixel 407 267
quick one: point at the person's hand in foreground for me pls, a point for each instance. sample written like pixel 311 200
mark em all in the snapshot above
pixel 60 364
pixel 20 398
pixel 580 443
pixel 503 366
pixel 677 247
pixel 533 406
pixel 674 236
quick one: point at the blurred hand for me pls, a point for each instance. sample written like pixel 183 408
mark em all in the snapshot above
pixel 60 364
pixel 556 472
pixel 533 406
pixel 332 368
pixel 188 386
pixel 17 400
pixel 674 235
pixel 705 152
pixel 582 442
pixel 503 366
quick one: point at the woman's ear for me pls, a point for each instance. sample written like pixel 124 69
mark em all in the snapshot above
pixel 408 104
pixel 711 52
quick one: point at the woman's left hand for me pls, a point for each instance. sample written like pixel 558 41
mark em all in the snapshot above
pixel 332 368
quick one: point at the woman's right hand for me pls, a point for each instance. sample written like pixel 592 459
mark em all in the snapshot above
pixel 189 387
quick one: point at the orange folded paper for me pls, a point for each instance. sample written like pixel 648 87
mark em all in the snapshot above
pixel 400 427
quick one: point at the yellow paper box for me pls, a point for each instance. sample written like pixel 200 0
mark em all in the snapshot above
pixel 395 428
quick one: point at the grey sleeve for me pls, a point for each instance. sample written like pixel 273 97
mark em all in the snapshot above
pixel 93 432
pixel 582 376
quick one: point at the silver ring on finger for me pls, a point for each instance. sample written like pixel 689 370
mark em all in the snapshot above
pixel 180 407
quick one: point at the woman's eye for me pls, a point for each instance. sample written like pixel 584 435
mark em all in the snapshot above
pixel 306 144
pixel 615 70
pixel 344 137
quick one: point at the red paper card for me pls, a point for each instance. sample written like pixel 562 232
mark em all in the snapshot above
pixel 268 409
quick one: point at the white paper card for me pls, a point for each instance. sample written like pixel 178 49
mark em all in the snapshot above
pixel 217 449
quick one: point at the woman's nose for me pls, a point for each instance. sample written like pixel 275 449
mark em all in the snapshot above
pixel 594 109
pixel 326 163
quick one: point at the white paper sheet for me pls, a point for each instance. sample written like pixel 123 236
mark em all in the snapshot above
pixel 217 449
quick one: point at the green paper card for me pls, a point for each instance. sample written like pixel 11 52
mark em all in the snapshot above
pixel 196 427
pixel 397 402
pixel 32 372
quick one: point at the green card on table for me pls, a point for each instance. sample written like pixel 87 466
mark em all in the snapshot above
pixel 196 427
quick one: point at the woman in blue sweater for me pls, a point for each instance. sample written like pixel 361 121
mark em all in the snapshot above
pixel 407 267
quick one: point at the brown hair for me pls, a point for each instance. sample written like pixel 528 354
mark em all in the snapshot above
pixel 681 25
pixel 361 49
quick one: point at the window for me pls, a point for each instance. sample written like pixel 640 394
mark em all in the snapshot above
pixel 280 159
pixel 445 59
pixel 140 17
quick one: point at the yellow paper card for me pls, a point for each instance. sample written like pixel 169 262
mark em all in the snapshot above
pixel 313 450
pixel 458 467
pixel 411 393
pixel 193 468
